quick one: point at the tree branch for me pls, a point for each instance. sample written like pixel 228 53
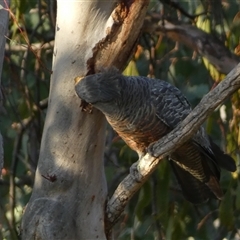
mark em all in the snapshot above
pixel 205 44
pixel 128 18
pixel 178 7
pixel 3 30
pixel 25 47
pixel 169 143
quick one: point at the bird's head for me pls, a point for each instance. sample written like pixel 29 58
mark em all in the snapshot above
pixel 100 88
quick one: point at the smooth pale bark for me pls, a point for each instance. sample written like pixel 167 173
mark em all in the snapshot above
pixel 69 195
pixel 3 31
pixel 70 205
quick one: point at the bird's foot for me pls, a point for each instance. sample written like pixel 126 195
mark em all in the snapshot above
pixel 134 172
pixel 152 149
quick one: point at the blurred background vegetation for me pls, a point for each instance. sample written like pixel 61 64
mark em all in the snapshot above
pixel 158 210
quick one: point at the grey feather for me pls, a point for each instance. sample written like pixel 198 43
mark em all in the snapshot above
pixel 142 110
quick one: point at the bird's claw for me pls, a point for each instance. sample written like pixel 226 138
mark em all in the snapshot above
pixel 134 172
pixel 151 149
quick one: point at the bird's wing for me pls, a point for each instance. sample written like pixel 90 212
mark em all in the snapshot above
pixel 172 108
pixel 194 167
pixel 171 105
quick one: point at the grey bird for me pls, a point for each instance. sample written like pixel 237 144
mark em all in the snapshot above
pixel 142 110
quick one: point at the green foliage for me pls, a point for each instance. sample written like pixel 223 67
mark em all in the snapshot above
pixel 226 215
pixel 158 210
pixel 25 83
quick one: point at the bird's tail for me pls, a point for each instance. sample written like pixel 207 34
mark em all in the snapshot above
pixel 198 171
pixel 193 189
pixel 222 159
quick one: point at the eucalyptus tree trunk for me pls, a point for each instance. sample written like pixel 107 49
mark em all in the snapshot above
pixel 3 31
pixel 70 192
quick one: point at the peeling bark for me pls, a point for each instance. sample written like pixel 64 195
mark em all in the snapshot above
pixel 119 44
pixel 205 44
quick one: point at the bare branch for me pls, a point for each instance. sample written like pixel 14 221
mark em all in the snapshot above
pixel 205 44
pixel 178 7
pixel 3 30
pixel 169 143
pixel 25 47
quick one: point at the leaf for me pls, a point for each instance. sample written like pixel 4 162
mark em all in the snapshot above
pixel 203 21
pixel 131 69
pixel 163 197
pixel 1 155
pixel 144 199
pixel 170 228
pixel 226 214
pixel 215 74
pixel 238 197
